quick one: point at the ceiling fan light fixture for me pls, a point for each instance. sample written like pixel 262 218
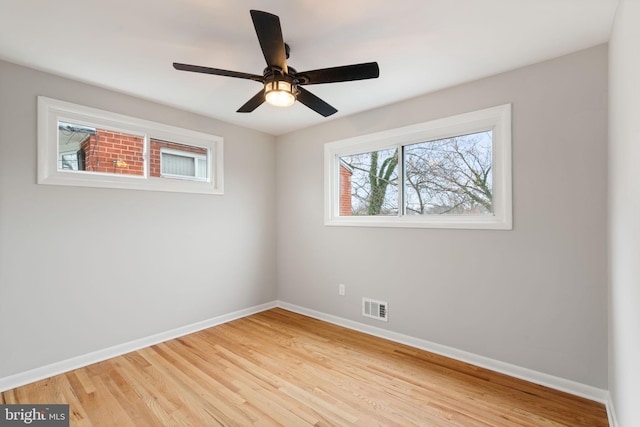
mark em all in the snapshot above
pixel 280 93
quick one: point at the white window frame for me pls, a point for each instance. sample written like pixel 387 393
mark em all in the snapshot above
pixel 194 156
pixel 494 119
pixel 51 111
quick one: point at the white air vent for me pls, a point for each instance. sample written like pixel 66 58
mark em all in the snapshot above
pixel 375 309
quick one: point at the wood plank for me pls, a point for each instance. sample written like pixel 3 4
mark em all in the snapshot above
pixel 280 368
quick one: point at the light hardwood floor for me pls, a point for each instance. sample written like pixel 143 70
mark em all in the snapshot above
pixel 277 368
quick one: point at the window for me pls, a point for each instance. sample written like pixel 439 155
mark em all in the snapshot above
pixel 83 146
pixel 183 164
pixel 448 173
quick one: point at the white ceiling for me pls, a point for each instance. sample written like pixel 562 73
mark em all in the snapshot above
pixel 420 45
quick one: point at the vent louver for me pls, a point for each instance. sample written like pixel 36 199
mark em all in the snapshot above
pixel 375 309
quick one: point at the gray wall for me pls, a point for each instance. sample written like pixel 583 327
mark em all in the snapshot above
pixel 624 227
pixel 535 296
pixel 82 269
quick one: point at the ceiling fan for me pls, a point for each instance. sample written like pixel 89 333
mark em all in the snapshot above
pixel 283 84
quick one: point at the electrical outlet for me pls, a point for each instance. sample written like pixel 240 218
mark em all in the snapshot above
pixel 342 289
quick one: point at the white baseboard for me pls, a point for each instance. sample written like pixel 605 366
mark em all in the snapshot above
pixel 611 412
pixel 557 383
pixel 22 378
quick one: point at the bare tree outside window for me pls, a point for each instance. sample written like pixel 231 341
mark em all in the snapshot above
pixel 451 176
pixel 374 182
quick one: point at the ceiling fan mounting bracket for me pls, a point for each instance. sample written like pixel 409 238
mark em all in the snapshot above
pixel 275 73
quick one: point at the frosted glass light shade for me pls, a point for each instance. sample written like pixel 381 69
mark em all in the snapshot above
pixel 279 93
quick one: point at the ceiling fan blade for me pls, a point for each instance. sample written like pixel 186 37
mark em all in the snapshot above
pixel 345 73
pixel 315 103
pixel 269 34
pixel 253 103
pixel 216 71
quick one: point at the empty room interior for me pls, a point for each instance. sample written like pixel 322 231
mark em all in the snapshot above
pixel 417 213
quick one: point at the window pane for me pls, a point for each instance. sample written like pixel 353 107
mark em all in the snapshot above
pixel 201 168
pixel 69 161
pixel 450 176
pixel 173 160
pixel 369 183
pixel 83 148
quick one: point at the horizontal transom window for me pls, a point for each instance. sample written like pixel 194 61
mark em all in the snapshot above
pixel 83 146
pixel 448 173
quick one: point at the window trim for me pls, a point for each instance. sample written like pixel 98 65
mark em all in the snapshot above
pixel 497 119
pixel 51 111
